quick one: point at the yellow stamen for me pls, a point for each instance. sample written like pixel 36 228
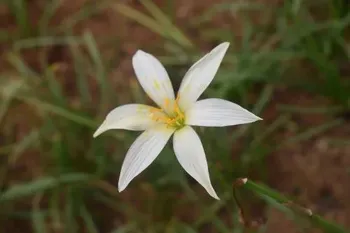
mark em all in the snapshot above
pixel 166 102
pixel 176 119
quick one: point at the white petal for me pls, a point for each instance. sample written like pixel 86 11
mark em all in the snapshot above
pixel 190 154
pixel 142 153
pixel 131 117
pixel 200 75
pixel 218 112
pixel 154 79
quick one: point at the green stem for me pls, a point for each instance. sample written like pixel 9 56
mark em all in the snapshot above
pixel 316 220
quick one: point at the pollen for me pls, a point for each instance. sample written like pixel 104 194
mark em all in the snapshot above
pixel 174 120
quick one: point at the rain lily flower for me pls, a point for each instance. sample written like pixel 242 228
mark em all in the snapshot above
pixel 175 116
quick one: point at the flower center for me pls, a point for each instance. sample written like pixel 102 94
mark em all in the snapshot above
pixel 174 120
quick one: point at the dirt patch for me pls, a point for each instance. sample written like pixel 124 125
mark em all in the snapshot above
pixel 316 172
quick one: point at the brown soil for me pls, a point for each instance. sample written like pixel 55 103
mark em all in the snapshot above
pixel 314 172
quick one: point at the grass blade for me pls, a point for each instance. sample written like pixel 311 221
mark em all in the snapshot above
pixel 167 25
pixel 19 10
pixel 311 132
pixel 38 217
pixel 262 191
pixel 88 219
pixel 101 74
pixel 27 189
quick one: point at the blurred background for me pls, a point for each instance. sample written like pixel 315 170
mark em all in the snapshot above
pixel 65 64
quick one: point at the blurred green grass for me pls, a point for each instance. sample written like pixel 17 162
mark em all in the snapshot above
pixel 298 45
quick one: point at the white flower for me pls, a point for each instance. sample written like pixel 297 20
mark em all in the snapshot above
pixel 175 116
